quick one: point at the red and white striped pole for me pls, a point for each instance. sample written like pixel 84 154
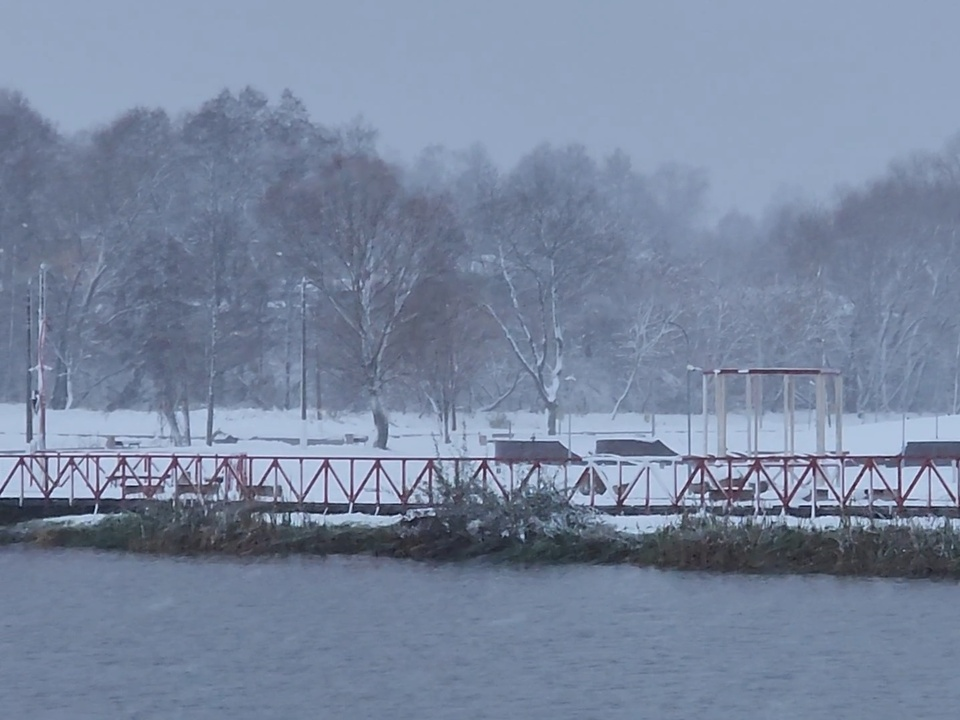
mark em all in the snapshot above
pixel 41 374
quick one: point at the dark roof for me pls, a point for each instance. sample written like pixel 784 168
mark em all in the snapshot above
pixel 533 451
pixel 629 447
pixel 770 371
pixel 932 449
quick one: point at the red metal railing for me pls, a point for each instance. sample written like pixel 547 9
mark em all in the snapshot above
pixel 763 483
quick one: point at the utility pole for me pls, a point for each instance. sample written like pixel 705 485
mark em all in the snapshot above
pixel 41 369
pixel 303 362
pixel 690 369
pixel 29 387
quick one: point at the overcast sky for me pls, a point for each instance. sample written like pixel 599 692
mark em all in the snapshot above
pixel 769 96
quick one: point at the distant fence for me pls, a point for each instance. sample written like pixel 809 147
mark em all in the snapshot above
pixel 762 484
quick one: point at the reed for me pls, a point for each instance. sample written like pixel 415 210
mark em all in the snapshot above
pixel 536 525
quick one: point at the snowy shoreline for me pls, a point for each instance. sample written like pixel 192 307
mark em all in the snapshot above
pixel 918 548
pixel 630 524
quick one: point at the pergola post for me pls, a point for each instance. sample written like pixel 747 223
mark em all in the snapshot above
pixel 786 413
pixel 720 390
pixel 756 397
pixel 838 408
pixel 821 401
pixel 705 384
pixel 825 394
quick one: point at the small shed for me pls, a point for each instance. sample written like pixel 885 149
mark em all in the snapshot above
pixel 542 451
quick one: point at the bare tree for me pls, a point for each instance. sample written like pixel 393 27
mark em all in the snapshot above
pixel 648 329
pixel 367 245
pixel 553 245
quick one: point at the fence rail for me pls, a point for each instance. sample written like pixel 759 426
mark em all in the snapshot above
pixel 761 484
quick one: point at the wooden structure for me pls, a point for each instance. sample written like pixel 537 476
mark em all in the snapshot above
pixel 753 377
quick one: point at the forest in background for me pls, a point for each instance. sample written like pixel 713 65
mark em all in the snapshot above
pixel 186 258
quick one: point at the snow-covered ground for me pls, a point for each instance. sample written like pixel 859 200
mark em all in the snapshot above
pixel 415 435
pixel 392 477
pixel 626 524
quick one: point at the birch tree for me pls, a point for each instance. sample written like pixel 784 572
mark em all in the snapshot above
pixel 553 245
pixel 367 245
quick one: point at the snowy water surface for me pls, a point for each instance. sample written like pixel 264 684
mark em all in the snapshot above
pixel 86 635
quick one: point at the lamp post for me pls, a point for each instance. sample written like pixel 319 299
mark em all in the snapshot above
pixel 690 369
pixel 570 379
pixel 303 362
pixel 41 344
pixel 29 388
pixel 304 282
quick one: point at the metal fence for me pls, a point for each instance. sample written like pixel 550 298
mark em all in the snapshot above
pixel 760 484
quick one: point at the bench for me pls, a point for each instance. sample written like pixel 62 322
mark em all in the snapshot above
pixel 731 494
pixel 134 489
pixel 729 489
pixel 590 480
pixel 207 488
pixel 880 493
pixel 269 492
pixel 112 442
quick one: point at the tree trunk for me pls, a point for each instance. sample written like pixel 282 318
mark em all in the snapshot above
pixel 318 388
pixel 552 408
pixel 58 400
pixel 169 414
pixel 287 362
pixel 381 422
pixel 444 412
pixel 211 377
pixel 185 411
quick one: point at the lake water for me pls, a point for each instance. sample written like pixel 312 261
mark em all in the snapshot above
pixel 87 635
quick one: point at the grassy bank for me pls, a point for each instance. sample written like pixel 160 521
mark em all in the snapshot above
pixel 880 550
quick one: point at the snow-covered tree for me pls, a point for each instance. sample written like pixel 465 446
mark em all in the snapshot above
pixel 367 245
pixel 554 246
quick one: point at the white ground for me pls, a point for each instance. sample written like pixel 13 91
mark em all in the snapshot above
pixel 627 524
pixel 418 436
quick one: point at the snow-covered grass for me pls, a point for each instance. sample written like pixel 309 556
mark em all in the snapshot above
pixel 629 524
pixel 641 524
pixel 536 529
pixel 419 435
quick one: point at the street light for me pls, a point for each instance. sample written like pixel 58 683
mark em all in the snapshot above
pixel 304 282
pixel 41 345
pixel 29 397
pixel 570 379
pixel 690 369
pixel 303 362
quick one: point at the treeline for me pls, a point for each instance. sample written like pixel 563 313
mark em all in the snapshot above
pixel 186 259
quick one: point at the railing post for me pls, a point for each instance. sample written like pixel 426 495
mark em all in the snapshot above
pixel 648 470
pixel 900 498
pixel 813 496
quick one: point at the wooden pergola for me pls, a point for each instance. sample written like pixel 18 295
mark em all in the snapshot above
pixel 754 396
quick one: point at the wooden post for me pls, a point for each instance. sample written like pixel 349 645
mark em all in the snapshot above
pixel 720 390
pixel 838 401
pixel 821 401
pixel 705 385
